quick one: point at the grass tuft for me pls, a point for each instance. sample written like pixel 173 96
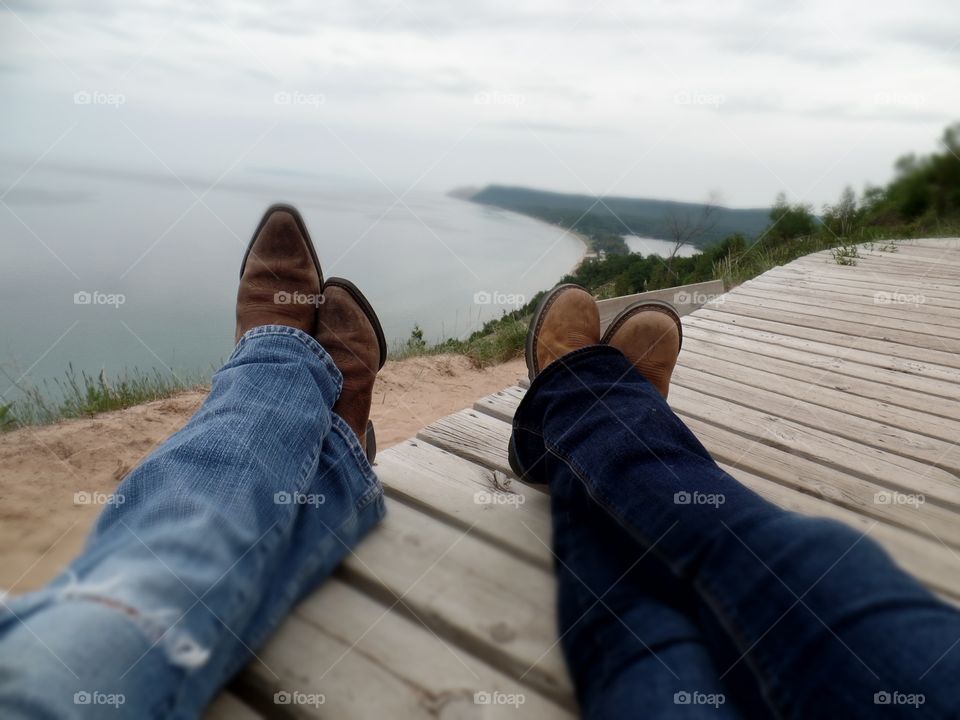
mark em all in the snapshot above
pixel 82 395
pixel 846 254
pixel 499 341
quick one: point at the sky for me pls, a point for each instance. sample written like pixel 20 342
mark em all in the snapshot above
pixel 668 99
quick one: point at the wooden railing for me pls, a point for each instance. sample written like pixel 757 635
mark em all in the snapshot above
pixel 685 298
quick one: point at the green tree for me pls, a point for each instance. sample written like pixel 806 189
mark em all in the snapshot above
pixel 842 218
pixel 416 342
pixel 789 221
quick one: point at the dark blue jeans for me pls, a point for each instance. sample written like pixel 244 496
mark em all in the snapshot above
pixel 684 594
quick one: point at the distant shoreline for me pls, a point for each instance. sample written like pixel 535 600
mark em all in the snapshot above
pixel 466 194
pixel 587 251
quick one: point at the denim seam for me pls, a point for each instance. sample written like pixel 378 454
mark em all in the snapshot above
pixel 776 694
pixel 524 428
pixel 373 487
pixel 600 498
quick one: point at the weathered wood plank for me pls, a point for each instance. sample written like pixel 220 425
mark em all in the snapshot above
pixel 902 264
pixel 859 429
pixel 856 397
pixel 869 262
pixel 871 333
pixel 364 660
pixel 881 469
pixel 493 404
pixel 805 475
pixel 467 591
pixel 440 483
pixel 937 300
pixel 485 442
pixel 933 243
pixel 849 274
pixel 501 405
pixel 918 256
pixel 898 375
pixel 938 313
pixel 930 364
pixel 871 275
pixel 886 262
pixel 902 312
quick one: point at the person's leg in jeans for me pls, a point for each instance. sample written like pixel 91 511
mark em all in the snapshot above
pixel 215 536
pixel 827 624
pixel 628 626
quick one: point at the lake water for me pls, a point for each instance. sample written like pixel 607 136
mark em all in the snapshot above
pixel 445 264
pixel 653 246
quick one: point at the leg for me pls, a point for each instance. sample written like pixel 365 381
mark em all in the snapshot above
pixel 626 623
pixel 821 615
pixel 209 549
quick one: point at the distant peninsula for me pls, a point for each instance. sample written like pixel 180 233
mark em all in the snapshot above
pixel 604 221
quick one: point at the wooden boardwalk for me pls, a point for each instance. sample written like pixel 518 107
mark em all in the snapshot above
pixel 831 390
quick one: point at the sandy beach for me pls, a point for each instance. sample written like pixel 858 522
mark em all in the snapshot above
pixel 587 252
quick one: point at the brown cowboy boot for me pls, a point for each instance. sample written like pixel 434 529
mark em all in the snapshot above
pixel 348 329
pixel 649 333
pixel 565 320
pixel 280 277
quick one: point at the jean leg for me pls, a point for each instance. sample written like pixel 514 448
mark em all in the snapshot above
pixel 826 622
pixel 320 539
pixel 626 623
pixel 191 566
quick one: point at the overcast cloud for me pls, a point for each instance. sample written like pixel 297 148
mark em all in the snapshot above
pixel 657 99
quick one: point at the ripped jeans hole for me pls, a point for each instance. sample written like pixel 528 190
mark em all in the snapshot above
pixel 179 646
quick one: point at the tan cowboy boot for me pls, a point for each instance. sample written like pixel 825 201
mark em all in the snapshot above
pixel 650 335
pixel 348 329
pixel 280 277
pixel 566 319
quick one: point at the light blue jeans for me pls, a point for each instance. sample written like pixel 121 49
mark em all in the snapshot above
pixel 205 548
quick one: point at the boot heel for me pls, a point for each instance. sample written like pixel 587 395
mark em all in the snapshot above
pixel 370 442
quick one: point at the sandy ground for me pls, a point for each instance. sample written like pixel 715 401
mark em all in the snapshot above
pixel 42 527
